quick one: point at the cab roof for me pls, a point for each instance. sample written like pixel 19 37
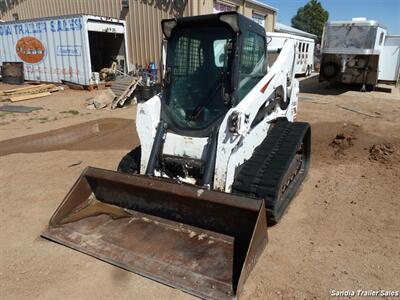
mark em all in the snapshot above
pixel 242 23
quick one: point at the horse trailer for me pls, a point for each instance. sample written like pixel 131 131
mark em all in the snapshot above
pixel 304 64
pixel 350 51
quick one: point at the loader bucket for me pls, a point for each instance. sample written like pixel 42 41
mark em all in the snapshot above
pixel 202 242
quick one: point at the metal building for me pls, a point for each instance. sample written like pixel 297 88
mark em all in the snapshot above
pixel 142 16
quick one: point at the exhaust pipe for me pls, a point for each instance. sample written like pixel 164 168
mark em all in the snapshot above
pixel 202 242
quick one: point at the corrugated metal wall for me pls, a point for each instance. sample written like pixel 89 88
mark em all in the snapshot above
pixel 143 20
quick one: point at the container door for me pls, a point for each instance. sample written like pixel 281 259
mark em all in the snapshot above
pixel 389 61
pixel 107 46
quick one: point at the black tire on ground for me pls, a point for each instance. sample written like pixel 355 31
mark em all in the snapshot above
pixel 130 163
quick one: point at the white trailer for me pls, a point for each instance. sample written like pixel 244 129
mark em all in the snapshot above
pixel 69 48
pixel 304 64
pixel 389 61
pixel 350 51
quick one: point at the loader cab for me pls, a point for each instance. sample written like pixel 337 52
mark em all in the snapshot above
pixel 212 63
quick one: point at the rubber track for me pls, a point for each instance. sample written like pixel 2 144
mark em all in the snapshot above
pixel 261 176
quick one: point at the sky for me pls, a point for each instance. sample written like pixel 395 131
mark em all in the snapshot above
pixel 386 12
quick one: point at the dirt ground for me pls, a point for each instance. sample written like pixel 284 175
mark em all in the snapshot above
pixel 340 233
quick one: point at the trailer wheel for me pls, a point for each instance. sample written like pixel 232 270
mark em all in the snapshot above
pixel 130 163
pixel 330 69
pixel 308 71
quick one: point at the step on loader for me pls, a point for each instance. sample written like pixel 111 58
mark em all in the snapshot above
pixel 220 156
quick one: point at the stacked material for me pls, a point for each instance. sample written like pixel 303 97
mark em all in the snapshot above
pixel 28 92
pixel 123 89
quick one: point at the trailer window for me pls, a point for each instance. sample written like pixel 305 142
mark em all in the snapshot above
pixel 253 63
pixel 299 54
pixel 381 38
pixel 350 37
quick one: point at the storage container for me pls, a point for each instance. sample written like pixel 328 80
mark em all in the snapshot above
pixel 67 48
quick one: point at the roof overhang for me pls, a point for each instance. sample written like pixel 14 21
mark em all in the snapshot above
pixel 262 4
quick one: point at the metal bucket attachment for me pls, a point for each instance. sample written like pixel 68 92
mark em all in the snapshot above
pixel 202 242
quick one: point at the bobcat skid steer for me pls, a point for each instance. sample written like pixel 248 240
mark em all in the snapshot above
pixel 219 155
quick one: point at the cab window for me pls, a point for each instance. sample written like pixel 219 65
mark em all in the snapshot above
pixel 253 63
pixel 219 52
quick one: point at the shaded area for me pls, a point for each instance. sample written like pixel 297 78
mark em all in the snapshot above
pixel 383 89
pixel 102 134
pixel 106 48
pixel 313 86
pixel 18 108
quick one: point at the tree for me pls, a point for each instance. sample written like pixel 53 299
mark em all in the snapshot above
pixel 311 18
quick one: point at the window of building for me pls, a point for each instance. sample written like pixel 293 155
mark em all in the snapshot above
pixel 258 18
pixel 253 66
pixel 222 7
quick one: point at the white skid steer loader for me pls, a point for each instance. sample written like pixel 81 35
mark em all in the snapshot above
pixel 219 156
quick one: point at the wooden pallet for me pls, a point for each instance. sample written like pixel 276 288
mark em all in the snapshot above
pixel 123 89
